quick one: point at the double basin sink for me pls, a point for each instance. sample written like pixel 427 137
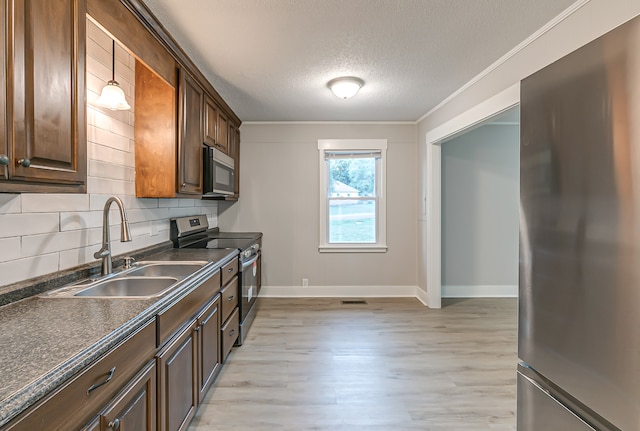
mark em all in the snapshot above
pixel 147 279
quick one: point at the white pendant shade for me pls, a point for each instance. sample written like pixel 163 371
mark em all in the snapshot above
pixel 346 87
pixel 112 97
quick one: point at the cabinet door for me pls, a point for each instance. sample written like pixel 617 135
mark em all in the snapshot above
pixel 209 341
pixel 47 76
pixel 235 153
pixel 191 136
pixel 222 139
pixel 134 408
pixel 177 381
pixel 210 121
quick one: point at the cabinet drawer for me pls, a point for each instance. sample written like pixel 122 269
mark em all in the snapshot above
pixel 230 332
pixel 170 320
pixel 229 298
pixel 79 400
pixel 229 271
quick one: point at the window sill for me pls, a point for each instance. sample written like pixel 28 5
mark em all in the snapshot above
pixel 352 249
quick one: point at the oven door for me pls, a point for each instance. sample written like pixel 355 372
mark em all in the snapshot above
pixel 249 280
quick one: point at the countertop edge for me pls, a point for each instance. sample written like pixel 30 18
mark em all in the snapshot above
pixel 37 389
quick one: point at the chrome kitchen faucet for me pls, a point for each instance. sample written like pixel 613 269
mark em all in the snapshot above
pixel 125 234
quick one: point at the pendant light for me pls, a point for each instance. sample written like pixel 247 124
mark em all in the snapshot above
pixel 112 96
pixel 345 87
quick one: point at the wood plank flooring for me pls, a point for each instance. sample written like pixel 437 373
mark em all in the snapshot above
pixel 392 364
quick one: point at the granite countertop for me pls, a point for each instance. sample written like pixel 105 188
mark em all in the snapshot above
pixel 47 340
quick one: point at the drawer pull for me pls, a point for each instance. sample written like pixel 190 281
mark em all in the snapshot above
pixel 231 298
pixel 230 269
pixel 115 425
pixel 233 331
pixel 107 380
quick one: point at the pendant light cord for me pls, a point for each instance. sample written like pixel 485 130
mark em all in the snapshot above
pixel 113 60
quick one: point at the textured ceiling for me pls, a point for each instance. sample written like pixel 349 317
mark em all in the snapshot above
pixel 271 59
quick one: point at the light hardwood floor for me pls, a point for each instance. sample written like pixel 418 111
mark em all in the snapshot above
pixel 316 364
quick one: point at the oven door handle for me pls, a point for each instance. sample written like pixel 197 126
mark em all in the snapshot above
pixel 249 262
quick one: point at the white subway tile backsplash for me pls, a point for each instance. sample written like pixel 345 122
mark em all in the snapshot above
pixel 122 129
pixel 108 138
pixel 96 34
pixel 23 269
pixel 48 243
pixel 111 187
pixel 183 212
pixel 28 224
pixel 136 216
pixel 100 169
pixel 107 154
pixel 98 119
pixel 39 202
pixel 10 203
pixel 97 202
pixel 82 220
pixel 168 203
pixel 9 248
pixel 99 70
pixel 77 256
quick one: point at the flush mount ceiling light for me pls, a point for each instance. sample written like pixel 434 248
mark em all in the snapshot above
pixel 345 87
pixel 112 96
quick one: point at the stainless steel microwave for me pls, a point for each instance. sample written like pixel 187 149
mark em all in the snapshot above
pixel 218 173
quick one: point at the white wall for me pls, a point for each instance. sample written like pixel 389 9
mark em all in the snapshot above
pixel 44 233
pixel 588 20
pixel 279 196
pixel 480 195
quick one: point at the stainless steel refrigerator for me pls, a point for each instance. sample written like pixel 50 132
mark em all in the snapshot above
pixel 579 307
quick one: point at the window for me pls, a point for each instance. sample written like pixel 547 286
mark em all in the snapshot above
pixel 352 195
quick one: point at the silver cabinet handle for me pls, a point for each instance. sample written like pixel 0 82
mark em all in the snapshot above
pixel 233 331
pixel 230 270
pixel 4 160
pixel 25 163
pixel 115 425
pixel 107 380
pixel 231 298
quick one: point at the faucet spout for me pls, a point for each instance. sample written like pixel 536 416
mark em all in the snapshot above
pixel 125 234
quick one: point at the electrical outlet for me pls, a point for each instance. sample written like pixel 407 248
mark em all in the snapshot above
pixel 305 282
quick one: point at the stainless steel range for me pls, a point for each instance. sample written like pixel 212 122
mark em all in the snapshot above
pixel 194 232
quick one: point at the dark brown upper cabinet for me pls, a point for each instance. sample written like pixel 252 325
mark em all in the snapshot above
pixel 191 135
pixel 216 126
pixel 222 136
pixel 234 151
pixel 210 122
pixel 44 103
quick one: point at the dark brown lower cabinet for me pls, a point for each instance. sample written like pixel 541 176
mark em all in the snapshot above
pixel 209 343
pixel 134 408
pixel 177 380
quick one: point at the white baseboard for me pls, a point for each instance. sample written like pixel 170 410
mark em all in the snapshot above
pixel 339 291
pixel 475 291
pixel 422 296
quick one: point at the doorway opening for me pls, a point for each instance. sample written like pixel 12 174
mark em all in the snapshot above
pixel 480 178
pixel 430 218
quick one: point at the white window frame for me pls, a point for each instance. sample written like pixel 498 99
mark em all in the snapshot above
pixel 380 246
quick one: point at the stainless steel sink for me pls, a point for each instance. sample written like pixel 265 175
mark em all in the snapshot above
pixel 148 279
pixel 177 269
pixel 129 287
